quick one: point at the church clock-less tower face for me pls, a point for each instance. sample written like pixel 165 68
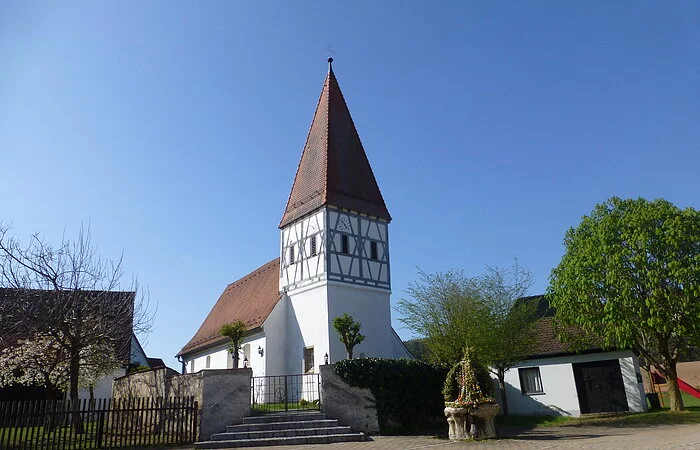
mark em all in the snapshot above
pixel 334 249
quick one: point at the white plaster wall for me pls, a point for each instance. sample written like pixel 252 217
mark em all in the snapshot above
pixel 274 361
pixel 137 356
pixel 560 397
pixel 221 358
pixel 370 307
pixel 103 387
pixel 307 325
pixel 399 349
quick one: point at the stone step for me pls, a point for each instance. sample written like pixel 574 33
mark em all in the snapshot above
pixel 296 432
pixel 285 417
pixel 323 423
pixel 298 440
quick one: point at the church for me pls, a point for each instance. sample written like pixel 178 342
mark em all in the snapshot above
pixel 334 259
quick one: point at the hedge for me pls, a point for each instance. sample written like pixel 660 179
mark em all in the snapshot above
pixel 408 393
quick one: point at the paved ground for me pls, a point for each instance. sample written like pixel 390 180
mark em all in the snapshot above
pixel 658 437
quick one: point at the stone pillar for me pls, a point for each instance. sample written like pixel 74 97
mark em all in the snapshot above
pixel 458 422
pixel 483 417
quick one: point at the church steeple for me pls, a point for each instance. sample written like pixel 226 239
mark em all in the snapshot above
pixel 334 169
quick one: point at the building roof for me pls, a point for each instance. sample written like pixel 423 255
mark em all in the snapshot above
pixel 548 344
pixel 250 299
pixel 119 333
pixel 333 169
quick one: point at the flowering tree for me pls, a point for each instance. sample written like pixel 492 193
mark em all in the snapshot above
pixel 70 294
pixel 42 361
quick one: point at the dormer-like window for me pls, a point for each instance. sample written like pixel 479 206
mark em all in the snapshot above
pixel 344 244
pixel 291 255
pixel 312 244
pixel 373 250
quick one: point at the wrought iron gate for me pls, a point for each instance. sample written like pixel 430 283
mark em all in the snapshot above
pixel 279 393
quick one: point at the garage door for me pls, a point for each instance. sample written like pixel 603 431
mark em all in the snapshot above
pixel 600 387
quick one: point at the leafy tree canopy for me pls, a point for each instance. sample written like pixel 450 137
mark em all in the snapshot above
pixel 453 311
pixel 234 331
pixel 349 332
pixel 630 278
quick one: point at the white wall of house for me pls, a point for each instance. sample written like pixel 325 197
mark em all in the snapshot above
pixel 103 387
pixel 137 357
pixel 560 396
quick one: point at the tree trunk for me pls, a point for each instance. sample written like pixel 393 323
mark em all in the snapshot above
pixel 675 401
pixel 349 349
pixel 236 357
pixel 74 400
pixel 502 388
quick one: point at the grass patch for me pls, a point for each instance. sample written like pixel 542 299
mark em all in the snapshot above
pixel 303 405
pixel 659 417
pixel 530 421
pixel 688 400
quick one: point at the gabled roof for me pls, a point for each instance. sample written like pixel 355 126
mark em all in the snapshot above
pixel 334 169
pixel 548 344
pixel 92 300
pixel 250 299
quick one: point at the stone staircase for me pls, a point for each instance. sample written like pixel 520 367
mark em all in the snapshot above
pixel 282 429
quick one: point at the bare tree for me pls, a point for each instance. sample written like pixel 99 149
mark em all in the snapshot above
pixel 71 295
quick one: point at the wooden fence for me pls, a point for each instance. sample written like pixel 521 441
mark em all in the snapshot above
pixel 105 423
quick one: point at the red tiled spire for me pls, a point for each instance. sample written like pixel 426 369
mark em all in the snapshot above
pixel 334 169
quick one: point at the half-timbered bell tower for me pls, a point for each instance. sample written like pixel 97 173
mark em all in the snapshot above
pixel 334 252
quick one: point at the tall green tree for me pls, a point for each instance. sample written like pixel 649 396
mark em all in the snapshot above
pixel 630 278
pixel 349 332
pixel 453 312
pixel 234 331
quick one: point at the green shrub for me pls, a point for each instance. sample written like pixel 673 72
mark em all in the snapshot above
pixel 408 393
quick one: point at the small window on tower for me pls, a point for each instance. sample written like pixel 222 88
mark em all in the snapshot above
pixel 313 245
pixel 291 255
pixel 373 250
pixel 345 246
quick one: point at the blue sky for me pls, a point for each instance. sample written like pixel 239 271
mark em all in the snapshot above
pixel 175 128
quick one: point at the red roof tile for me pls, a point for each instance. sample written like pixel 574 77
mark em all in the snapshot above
pixel 250 299
pixel 334 169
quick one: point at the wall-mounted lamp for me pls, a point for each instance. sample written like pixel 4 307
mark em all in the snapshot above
pixel 325 359
pixel 245 362
pixel 261 351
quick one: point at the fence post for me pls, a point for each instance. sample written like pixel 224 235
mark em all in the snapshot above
pixel 286 398
pixel 100 427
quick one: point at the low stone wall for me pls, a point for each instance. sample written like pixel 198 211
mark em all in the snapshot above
pixel 223 395
pixel 351 406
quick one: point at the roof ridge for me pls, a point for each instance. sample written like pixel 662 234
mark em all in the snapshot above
pixel 249 276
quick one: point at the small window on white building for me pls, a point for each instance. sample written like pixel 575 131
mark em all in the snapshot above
pixel 291 255
pixel 192 366
pixel 208 362
pixel 345 244
pixel 246 356
pixel 530 381
pixel 373 250
pixel 308 360
pixel 312 245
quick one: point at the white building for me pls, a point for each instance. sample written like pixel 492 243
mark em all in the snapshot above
pixel 334 259
pixel 557 381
